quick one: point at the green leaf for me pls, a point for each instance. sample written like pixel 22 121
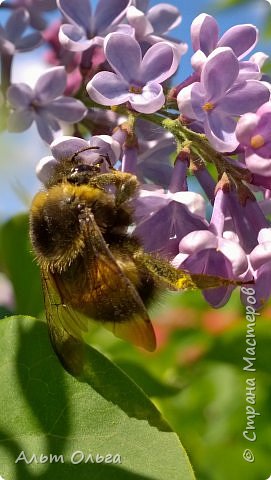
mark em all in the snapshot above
pixel 18 263
pixel 46 411
pixel 148 382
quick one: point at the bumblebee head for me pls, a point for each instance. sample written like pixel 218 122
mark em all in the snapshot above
pixel 78 170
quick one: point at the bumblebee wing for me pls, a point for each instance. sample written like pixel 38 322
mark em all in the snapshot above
pixel 64 325
pixel 97 290
pixel 117 304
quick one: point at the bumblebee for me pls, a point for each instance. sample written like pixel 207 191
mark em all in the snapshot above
pixel 92 268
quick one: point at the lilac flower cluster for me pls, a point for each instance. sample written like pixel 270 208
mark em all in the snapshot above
pixel 109 78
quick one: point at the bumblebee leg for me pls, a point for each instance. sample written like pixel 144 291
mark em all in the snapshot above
pixel 126 184
pixel 176 279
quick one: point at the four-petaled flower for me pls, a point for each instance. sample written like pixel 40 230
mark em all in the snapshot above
pixel 135 80
pixel 253 133
pixel 85 28
pixel 219 98
pixel 13 38
pixel 45 104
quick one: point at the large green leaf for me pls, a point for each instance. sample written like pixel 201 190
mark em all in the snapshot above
pixel 18 263
pixel 46 411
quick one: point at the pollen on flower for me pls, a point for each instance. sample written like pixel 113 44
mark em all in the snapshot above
pixel 208 106
pixel 134 89
pixel 257 141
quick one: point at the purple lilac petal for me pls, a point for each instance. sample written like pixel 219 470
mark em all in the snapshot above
pixel 164 17
pixel 66 146
pixel 235 253
pixel 73 38
pixel 240 38
pixel 260 255
pixel 244 97
pixel 160 233
pixel 218 297
pixel 166 223
pixel 190 101
pixel 220 130
pixel 46 126
pixel 108 145
pixel 264 235
pixel 258 165
pixel 259 58
pixel 126 64
pixel 150 100
pixel 138 20
pixel 249 71
pixel 125 29
pixel 262 286
pixel 204 33
pixel 211 262
pixel 80 14
pixel 242 218
pixel 107 88
pixel 151 198
pixel 67 109
pixel 141 4
pixel 29 42
pixel 109 13
pixel 20 95
pixel 198 241
pixel 215 83
pixel 245 127
pixel 50 84
pixel 46 168
pixel 20 120
pixel 198 60
pixel 159 63
pixel 16 24
pixel 264 129
pixel 265 108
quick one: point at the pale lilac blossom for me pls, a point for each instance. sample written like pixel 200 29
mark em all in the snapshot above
pixel 36 9
pixel 153 25
pixel 205 39
pixel 85 28
pixel 45 105
pixel 218 99
pixel 13 36
pixel 253 133
pixel 135 79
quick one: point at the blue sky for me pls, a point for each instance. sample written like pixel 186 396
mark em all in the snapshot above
pixel 21 152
